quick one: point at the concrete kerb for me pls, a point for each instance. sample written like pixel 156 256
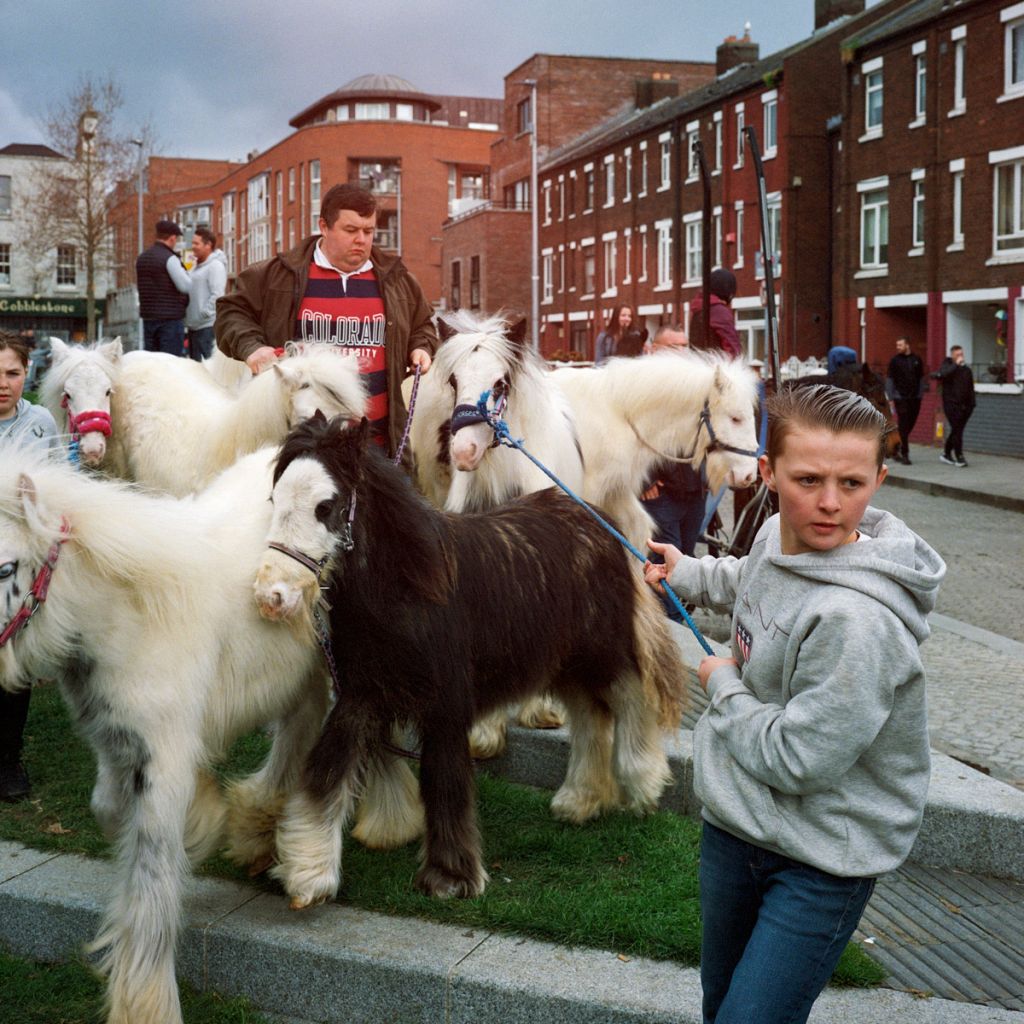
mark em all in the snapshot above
pixel 335 963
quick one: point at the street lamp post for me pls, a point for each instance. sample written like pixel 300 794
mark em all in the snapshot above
pixel 138 188
pixel 88 122
pixel 534 226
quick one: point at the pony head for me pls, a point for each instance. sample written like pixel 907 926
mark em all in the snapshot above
pixel 478 355
pixel 730 445
pixel 78 385
pixel 310 509
pixel 862 380
pixel 321 378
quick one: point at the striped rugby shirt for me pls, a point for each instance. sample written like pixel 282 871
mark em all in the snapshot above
pixel 348 310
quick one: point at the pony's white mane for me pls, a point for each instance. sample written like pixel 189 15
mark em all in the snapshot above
pixel 489 334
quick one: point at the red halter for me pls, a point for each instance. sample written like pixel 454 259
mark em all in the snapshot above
pixel 40 587
pixel 88 421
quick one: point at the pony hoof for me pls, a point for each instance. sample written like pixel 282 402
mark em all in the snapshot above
pixel 442 885
pixel 575 808
pixel 261 864
pixel 305 902
pixel 542 720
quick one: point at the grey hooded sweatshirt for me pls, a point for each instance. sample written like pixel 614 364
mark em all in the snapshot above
pixel 209 282
pixel 816 746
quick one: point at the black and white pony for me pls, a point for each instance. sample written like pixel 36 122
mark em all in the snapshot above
pixel 150 624
pixel 461 470
pixel 438 618
pixel 633 413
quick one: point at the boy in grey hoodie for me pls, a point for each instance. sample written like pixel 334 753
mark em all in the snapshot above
pixel 812 760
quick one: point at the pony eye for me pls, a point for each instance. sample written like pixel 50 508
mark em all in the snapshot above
pixel 323 510
pixel 7 570
pixel 453 383
pixel 305 385
pixel 108 391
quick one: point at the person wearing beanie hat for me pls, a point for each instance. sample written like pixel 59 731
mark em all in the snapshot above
pixel 722 334
pixel 164 287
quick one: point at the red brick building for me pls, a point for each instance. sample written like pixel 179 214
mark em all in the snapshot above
pixel 420 154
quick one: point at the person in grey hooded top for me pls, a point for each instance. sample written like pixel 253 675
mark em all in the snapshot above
pixel 209 279
pixel 812 760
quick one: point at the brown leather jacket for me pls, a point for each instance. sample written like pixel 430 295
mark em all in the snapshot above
pixel 261 310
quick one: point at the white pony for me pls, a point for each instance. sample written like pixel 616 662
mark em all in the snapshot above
pixel 77 389
pixel 632 413
pixel 175 428
pixel 164 659
pixel 458 467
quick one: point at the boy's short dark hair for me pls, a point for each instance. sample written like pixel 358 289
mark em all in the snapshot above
pixel 347 197
pixel 17 345
pixel 823 406
pixel 207 236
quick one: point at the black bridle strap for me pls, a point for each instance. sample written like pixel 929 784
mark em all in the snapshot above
pixel 704 420
pixel 313 566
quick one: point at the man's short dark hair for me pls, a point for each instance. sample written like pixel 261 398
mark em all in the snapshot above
pixel 956 348
pixel 19 346
pixel 347 197
pixel 207 236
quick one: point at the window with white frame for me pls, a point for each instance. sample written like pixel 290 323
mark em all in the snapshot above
pixel 739 233
pixel 66 276
pixel 609 180
pixel 956 170
pixel 291 234
pixel 917 210
pixel 258 205
pixel 774 205
pixel 561 197
pixel 524 115
pixel 1008 203
pixel 741 141
pixel 693 239
pixel 570 199
pixel 611 274
pixel 716 233
pixel 456 276
pixel 627 255
pixel 874 223
pixel 692 138
pixel 664 243
pixel 5 264
pixel 5 195
pixel 227 228
pixel 546 193
pixel 588 188
pixel 873 96
pixel 291 184
pixel 403 112
pixel 373 112
pixel 627 174
pixel 770 118
pixel 642 253
pixel 279 202
pixel 920 82
pixel 589 270
pixel 665 142
pixel 561 269
pixel 1013 60
pixel 314 197
pixel 718 140
pixel 474 282
pixel 959 38
pixel 547 276
pixel 642 190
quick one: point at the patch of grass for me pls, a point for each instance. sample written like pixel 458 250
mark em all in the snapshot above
pixel 623 884
pixel 35 993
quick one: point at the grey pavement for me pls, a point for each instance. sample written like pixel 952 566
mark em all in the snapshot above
pixel 338 964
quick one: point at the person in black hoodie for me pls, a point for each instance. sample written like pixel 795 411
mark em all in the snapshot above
pixel 957 403
pixel 904 386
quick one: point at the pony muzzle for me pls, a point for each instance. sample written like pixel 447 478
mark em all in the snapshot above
pixel 283 589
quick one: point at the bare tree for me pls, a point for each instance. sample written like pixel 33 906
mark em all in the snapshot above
pixel 71 198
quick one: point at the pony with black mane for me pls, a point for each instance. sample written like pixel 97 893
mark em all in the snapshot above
pixel 438 618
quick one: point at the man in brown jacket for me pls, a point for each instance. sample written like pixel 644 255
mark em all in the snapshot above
pixel 336 288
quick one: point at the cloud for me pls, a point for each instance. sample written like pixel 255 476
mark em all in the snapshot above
pixel 17 125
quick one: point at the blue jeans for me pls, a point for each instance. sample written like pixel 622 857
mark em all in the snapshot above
pixel 200 342
pixel 164 336
pixel 774 929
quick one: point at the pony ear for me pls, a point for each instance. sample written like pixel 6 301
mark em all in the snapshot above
pixel 515 329
pixel 286 375
pixel 719 381
pixel 58 348
pixel 27 491
pixel 867 373
pixel 362 434
pixel 113 350
pixel 445 330
pixel 318 417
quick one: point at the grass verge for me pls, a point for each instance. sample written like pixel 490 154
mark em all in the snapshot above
pixel 622 884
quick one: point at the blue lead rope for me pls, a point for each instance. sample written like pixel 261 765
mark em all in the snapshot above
pixel 502 435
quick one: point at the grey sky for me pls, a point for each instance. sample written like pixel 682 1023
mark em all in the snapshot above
pixel 219 79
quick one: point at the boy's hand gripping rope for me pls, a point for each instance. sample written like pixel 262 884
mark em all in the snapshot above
pixel 502 436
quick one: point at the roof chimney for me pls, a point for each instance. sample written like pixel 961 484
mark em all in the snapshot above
pixel 827 11
pixel 659 86
pixel 733 52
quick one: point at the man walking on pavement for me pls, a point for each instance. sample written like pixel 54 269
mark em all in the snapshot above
pixel 163 292
pixel 957 403
pixel 904 386
pixel 336 288
pixel 209 281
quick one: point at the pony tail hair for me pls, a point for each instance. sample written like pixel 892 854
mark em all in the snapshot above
pixel 661 666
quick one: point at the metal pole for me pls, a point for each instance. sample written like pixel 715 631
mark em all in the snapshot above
pixel 766 249
pixel 534 225
pixel 140 143
pixel 705 269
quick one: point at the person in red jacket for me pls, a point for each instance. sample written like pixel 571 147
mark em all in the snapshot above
pixel 723 325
